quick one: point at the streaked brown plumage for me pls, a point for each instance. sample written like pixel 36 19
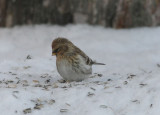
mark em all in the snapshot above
pixel 72 63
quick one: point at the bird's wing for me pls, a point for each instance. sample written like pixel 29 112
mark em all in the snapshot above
pixel 88 60
pixel 83 67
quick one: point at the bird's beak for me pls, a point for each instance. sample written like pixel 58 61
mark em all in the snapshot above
pixel 53 54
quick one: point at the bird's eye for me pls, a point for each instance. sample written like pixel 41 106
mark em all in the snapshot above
pixel 56 50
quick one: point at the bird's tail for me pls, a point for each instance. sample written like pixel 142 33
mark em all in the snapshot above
pixel 95 63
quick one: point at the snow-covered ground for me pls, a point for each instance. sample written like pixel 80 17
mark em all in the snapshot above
pixel 127 85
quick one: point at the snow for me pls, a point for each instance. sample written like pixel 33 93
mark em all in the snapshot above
pixel 129 84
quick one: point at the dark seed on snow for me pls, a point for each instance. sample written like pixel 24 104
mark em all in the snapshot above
pixel 38 85
pixel 28 57
pixel 47 81
pixel 125 82
pixel 103 106
pixel 51 102
pixel 28 110
pixel 64 87
pixel 10 81
pixel 142 84
pixel 93 88
pixel 109 79
pixel 63 110
pixel 18 81
pixel 61 81
pixel 15 91
pixel 132 75
pixel 17 77
pixel 14 74
pixel 158 65
pixel 136 101
pixel 68 104
pixel 25 85
pixel 100 75
pixel 118 87
pixel 15 96
pixel 90 94
pixel 38 106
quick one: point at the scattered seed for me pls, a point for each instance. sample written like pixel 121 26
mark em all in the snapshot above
pixel 106 87
pixel 90 94
pixel 44 76
pixel 27 67
pixel 9 81
pixel 103 106
pixel 63 110
pixel 38 106
pixel 125 82
pixel 46 86
pixel 55 86
pixel 47 81
pixel 93 88
pixel 18 82
pixel 25 85
pixel 68 104
pixel 142 84
pixel 36 101
pixel 136 101
pixel 24 81
pixel 109 80
pixel 118 87
pixel 15 96
pixel 28 110
pixel 92 76
pixel 38 85
pixel 116 74
pixel 64 87
pixel 35 81
pixel 158 65
pixel 100 75
pixel 39 100
pixel 51 102
pixel 14 74
pixel 28 57
pixel 17 77
pixel 29 75
pixel 96 82
pixel 15 91
pixel 62 81
pixel 131 76
pixel 33 101
pixel 12 86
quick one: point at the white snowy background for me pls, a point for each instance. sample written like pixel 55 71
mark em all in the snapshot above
pixel 129 83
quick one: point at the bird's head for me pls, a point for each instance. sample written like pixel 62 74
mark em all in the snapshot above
pixel 61 46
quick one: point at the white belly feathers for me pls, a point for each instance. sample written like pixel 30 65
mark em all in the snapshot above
pixel 72 73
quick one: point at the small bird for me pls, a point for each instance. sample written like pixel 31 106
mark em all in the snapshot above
pixel 72 63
